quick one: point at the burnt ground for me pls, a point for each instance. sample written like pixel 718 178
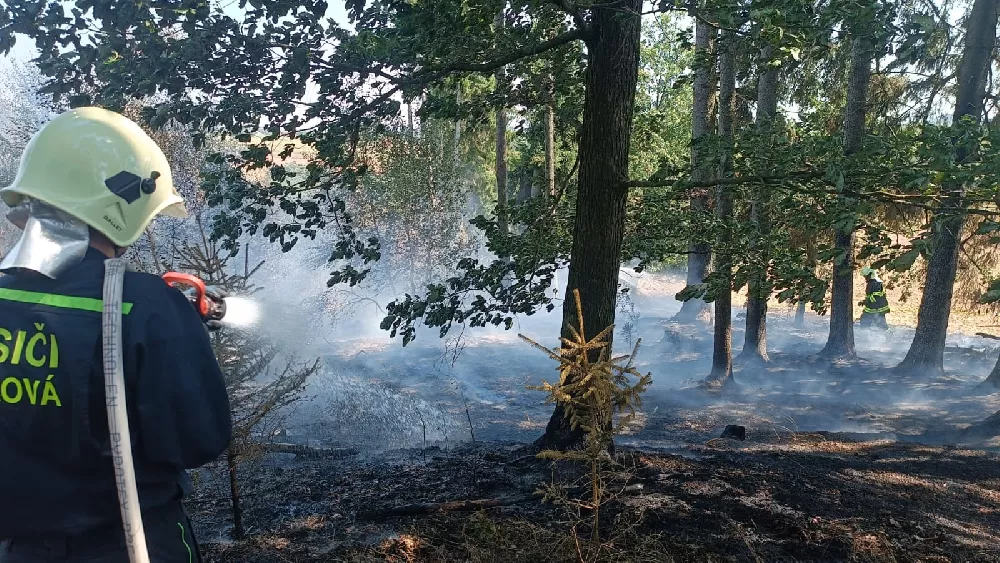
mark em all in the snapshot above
pixel 906 479
pixel 843 461
pixel 782 497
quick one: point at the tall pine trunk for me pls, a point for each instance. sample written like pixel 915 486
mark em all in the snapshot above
pixel 926 352
pixel 459 125
pixel 759 290
pixel 840 341
pixel 599 227
pixel 722 346
pixel 501 156
pixel 550 150
pixel 550 136
pixel 501 169
pixel 699 253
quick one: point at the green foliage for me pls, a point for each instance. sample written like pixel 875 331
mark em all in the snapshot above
pixel 199 60
pixel 414 202
pixel 492 293
pixel 300 119
pixel 661 133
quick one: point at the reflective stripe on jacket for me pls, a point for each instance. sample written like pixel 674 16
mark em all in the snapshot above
pixel 875 299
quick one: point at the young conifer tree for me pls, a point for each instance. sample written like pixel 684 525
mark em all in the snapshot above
pixel 260 382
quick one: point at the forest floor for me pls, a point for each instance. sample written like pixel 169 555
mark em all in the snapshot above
pixel 842 461
pixel 789 497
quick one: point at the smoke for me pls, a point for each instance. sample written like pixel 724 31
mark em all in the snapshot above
pixel 9 234
pixel 373 393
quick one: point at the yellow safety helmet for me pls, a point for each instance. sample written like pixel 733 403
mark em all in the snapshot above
pixel 100 167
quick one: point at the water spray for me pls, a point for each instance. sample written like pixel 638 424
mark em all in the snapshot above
pixel 233 310
pixel 241 311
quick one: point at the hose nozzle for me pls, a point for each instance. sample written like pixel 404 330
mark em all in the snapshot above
pixel 209 304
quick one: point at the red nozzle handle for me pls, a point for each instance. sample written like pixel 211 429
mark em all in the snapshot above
pixel 177 278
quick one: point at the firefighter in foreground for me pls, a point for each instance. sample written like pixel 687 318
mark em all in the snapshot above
pixel 88 185
pixel 876 305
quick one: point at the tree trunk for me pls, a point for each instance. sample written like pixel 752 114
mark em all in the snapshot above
pixel 501 161
pixel 526 189
pixel 800 315
pixel 699 253
pixel 926 352
pixel 550 150
pixel 599 226
pixel 993 381
pixel 759 290
pixel 501 165
pixel 840 340
pixel 234 494
pixel 550 136
pixel 457 153
pixel 722 346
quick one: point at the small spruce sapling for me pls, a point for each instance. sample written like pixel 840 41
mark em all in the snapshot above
pixel 626 308
pixel 600 395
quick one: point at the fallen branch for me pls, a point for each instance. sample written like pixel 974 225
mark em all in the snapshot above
pixel 452 506
pixel 312 453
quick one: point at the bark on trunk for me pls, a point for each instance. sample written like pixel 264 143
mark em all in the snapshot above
pixel 612 73
pixel 840 340
pixel 699 253
pixel 457 153
pixel 501 157
pixel 501 166
pixel 550 139
pixel 234 494
pixel 755 341
pixel 722 347
pixel 800 315
pixel 926 352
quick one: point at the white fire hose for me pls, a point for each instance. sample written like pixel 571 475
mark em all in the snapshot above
pixel 120 437
pixel 114 390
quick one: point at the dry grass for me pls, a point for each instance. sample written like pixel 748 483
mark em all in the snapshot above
pixel 496 539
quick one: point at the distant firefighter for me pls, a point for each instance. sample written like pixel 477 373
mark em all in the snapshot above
pixel 876 305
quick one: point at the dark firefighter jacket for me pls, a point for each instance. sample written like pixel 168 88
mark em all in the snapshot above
pixel 56 472
pixel 875 299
